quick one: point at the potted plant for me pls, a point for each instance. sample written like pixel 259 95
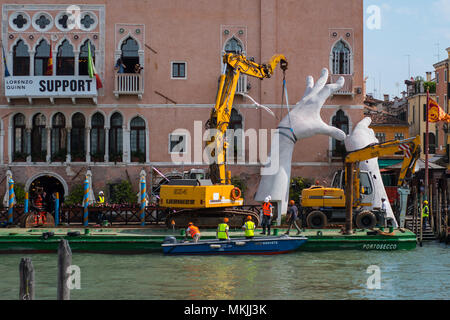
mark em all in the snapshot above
pixel 39 156
pixel 98 157
pixel 20 156
pixel 115 157
pixel 60 155
pixel 78 156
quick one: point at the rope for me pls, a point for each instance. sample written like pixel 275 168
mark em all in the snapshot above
pixel 285 93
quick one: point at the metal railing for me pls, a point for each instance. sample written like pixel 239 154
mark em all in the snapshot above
pixel 128 84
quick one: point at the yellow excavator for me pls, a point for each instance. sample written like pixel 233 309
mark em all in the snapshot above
pixel 352 195
pixel 206 201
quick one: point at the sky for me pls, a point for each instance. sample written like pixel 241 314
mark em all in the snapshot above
pixel 406 42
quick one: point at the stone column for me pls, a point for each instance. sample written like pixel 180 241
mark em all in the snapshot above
pixel 68 156
pixel 106 144
pixel 28 143
pixel 55 60
pixel 126 145
pixel 10 144
pixel 32 53
pixel 76 62
pixel 88 144
pixel 49 146
pixel 2 153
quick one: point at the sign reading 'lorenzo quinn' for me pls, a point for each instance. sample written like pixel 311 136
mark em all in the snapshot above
pixel 50 86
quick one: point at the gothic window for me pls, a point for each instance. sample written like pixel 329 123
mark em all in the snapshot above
pixel 19 138
pixel 233 46
pixel 87 21
pixel 98 137
pixel 21 59
pixel 83 59
pixel 130 55
pixel 77 134
pixel 341 58
pixel 41 58
pixel 340 120
pixel 63 21
pixel 116 138
pixel 65 60
pixel 39 138
pixel 59 137
pixel 137 139
pixel 20 21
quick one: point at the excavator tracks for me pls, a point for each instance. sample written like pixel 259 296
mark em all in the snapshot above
pixel 211 217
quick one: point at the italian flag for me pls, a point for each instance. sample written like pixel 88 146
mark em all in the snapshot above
pixel 91 68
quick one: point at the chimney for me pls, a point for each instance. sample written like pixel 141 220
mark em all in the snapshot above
pixel 386 98
pixel 428 76
pixel 448 51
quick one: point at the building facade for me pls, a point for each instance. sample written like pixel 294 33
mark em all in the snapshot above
pixel 56 123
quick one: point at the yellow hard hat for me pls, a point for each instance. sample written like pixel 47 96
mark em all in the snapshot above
pixel 425 202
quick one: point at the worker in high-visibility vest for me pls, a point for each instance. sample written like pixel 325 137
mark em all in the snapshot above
pixel 249 227
pixel 101 198
pixel 222 230
pixel 425 214
pixel 193 231
pixel 266 215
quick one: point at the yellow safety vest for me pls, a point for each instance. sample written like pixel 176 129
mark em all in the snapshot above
pixel 221 231
pixel 425 211
pixel 249 228
pixel 101 199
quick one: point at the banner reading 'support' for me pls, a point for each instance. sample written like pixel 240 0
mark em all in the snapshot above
pixel 50 86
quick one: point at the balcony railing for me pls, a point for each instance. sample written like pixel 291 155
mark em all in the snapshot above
pixel 128 84
pixel 347 89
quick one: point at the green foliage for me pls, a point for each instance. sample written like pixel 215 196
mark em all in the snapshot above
pixel 19 191
pixel 240 183
pixel 138 156
pixel 296 187
pixel 122 193
pixel 430 85
pixel 75 196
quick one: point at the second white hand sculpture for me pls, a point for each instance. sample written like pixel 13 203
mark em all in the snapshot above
pixel 302 122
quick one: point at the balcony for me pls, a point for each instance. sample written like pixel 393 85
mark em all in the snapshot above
pixel 347 89
pixel 129 84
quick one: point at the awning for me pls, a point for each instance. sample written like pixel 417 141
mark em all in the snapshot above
pixel 383 163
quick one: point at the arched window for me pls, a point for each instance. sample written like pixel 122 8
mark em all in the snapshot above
pixel 137 139
pixel 98 137
pixel 341 58
pixel 19 140
pixel 130 54
pixel 233 46
pixel 116 138
pixel 21 59
pixel 340 120
pixel 65 60
pixel 235 127
pixel 59 137
pixel 39 138
pixel 77 149
pixel 41 59
pixel 83 59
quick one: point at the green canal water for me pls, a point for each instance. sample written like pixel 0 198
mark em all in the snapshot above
pixel 423 273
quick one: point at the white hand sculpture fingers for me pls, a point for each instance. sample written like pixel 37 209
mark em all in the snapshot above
pixel 318 86
pixel 334 132
pixel 309 85
pixel 331 88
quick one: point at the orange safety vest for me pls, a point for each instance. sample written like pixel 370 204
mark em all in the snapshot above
pixel 193 230
pixel 267 208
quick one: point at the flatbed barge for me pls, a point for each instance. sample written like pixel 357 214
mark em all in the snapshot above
pixel 144 240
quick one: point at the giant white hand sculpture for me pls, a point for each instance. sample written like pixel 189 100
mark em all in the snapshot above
pixel 302 122
pixel 361 137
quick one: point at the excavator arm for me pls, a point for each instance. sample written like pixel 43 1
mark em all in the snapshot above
pixel 234 65
pixel 411 148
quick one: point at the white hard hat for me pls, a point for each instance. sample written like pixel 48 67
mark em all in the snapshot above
pixel 267 199
pixel 101 192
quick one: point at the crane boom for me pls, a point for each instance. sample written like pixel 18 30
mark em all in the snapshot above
pixel 234 65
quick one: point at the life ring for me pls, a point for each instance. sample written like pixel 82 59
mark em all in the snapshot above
pixel 235 193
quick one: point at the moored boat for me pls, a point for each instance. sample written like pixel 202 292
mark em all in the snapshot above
pixel 235 246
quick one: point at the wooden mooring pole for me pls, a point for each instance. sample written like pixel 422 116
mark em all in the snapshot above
pixel 26 271
pixel 64 262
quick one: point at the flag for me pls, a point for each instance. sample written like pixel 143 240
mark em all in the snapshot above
pixel 91 69
pixel 436 113
pixel 4 62
pixel 49 70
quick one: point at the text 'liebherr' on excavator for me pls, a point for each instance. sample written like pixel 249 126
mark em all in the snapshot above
pixel 206 201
